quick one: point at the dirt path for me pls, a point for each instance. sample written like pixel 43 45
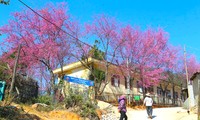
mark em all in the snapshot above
pixel 172 113
pixel 175 113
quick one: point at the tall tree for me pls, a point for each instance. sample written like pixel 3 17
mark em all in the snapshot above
pixel 43 42
pixel 83 53
pixel 145 53
pixel 105 29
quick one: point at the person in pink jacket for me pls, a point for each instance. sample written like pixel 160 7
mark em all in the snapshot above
pixel 122 107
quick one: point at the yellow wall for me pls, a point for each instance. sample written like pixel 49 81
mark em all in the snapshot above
pixel 82 72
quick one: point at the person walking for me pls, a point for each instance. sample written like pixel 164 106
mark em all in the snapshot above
pixel 122 107
pixel 148 102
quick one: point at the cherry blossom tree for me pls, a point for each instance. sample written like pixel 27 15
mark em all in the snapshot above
pixel 105 30
pixel 44 41
pixel 173 74
pixel 176 75
pixel 193 65
pixel 145 53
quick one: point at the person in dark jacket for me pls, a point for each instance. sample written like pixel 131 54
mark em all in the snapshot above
pixel 122 108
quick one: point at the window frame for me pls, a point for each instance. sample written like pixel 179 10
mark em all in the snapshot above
pixel 115 80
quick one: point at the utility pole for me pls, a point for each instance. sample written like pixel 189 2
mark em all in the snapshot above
pixel 14 71
pixel 186 66
pixel 187 82
pixel 191 102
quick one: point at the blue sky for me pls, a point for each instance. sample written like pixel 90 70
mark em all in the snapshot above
pixel 180 18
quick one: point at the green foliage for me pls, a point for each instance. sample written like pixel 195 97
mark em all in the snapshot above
pixel 88 109
pixel 8 112
pixel 45 109
pixel 85 107
pixel 61 82
pixel 27 87
pixel 46 99
pixel 98 75
pixel 73 99
pixel 96 53
pixel 3 71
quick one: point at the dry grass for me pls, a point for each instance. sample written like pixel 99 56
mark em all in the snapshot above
pixel 24 112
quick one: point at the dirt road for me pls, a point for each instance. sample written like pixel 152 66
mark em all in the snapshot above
pixel 175 113
pixel 171 113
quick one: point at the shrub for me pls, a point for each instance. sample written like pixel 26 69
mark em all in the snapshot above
pixel 8 112
pixel 45 108
pixel 73 100
pixel 81 104
pixel 46 99
pixel 27 87
pixel 88 110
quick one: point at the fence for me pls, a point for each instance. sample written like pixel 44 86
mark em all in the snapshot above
pixel 136 99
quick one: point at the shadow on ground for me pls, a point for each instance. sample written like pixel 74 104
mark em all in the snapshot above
pixel 13 113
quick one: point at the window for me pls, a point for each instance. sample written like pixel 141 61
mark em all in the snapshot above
pixel 159 91
pixel 115 80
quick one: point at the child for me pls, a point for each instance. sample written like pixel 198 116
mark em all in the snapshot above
pixel 122 107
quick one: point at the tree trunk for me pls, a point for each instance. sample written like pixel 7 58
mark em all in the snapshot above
pixel 53 88
pixel 100 91
pixel 163 93
pixel 95 89
pixel 143 91
pixel 14 71
pixel 173 100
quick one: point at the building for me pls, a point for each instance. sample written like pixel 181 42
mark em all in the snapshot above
pixel 117 82
pixel 196 85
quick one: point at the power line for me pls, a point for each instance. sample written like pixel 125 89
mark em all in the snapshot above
pixel 64 30
pixel 52 23
pixel 59 27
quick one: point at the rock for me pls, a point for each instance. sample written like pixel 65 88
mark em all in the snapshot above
pixel 36 105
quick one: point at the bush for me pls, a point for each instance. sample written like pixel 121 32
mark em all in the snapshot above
pixel 27 87
pixel 45 108
pixel 78 102
pixel 88 109
pixel 8 112
pixel 46 99
pixel 73 100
